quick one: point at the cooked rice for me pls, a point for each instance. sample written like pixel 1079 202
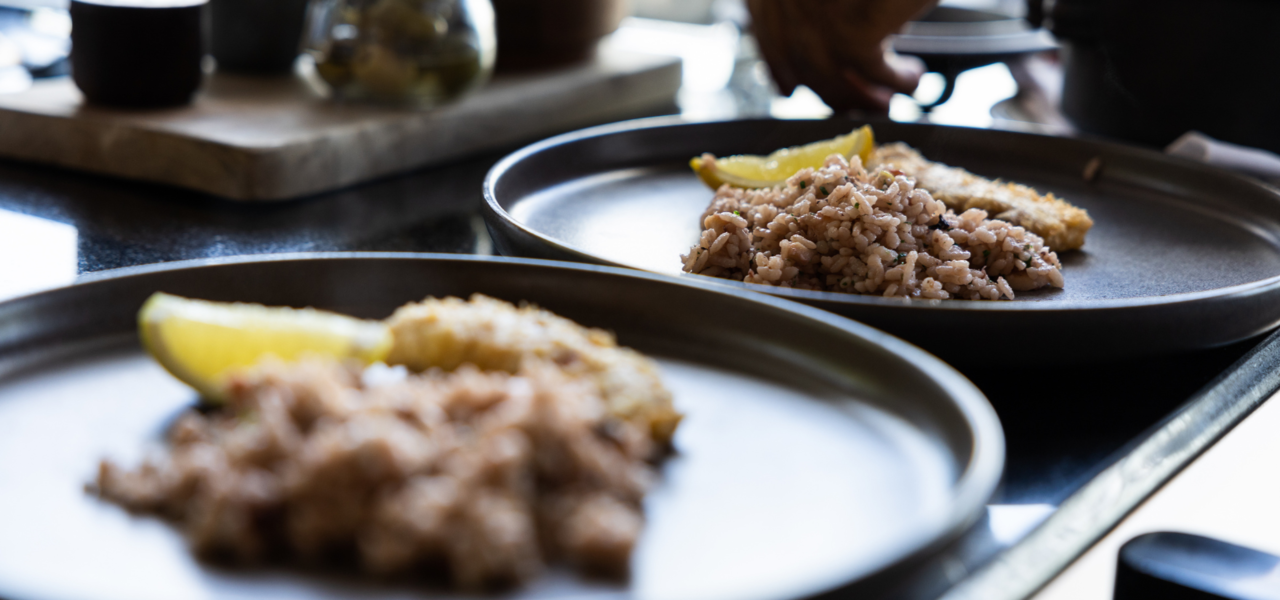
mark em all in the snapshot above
pixel 482 475
pixel 479 473
pixel 842 229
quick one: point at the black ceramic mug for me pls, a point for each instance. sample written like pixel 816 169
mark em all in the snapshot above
pixel 138 54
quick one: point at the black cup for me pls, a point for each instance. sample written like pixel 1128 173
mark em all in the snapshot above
pixel 139 55
pixel 256 36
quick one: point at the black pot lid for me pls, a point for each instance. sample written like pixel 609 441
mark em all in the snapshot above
pixel 949 31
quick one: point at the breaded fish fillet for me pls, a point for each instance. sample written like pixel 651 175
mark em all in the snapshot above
pixel 498 336
pixel 1062 225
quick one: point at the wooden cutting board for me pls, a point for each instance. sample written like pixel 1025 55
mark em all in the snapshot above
pixel 249 138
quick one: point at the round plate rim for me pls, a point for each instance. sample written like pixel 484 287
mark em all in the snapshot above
pixel 975 485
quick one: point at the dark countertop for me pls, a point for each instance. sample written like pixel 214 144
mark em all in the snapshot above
pixel 120 223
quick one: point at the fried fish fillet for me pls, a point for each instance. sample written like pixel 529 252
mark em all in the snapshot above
pixel 498 336
pixel 1062 225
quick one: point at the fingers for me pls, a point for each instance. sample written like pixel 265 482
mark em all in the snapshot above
pixel 870 96
pixel 769 26
pixel 868 84
pixel 894 71
pixel 837 48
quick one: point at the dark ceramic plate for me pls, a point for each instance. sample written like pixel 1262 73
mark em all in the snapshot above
pixel 816 454
pixel 1182 256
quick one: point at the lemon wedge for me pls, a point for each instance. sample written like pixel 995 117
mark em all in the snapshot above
pixel 751 171
pixel 199 341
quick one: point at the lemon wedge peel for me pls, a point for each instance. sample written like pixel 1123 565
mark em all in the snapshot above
pixel 200 342
pixel 755 172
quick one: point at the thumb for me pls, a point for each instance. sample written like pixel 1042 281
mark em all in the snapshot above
pixel 897 72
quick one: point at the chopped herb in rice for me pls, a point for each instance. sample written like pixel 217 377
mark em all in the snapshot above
pixel 867 256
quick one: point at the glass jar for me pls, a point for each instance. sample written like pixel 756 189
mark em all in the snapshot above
pixel 426 52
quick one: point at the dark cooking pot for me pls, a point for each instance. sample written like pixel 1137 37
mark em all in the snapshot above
pixel 1150 70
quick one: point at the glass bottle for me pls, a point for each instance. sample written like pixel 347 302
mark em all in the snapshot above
pixel 425 52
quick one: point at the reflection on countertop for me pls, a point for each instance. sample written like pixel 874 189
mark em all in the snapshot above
pixel 35 254
pixel 103 223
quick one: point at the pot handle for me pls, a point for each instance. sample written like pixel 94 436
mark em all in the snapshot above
pixel 1035 13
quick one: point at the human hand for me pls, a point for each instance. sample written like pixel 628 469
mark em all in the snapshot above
pixel 838 48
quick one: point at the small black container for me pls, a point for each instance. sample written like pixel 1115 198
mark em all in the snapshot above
pixel 136 55
pixel 1148 71
pixel 256 36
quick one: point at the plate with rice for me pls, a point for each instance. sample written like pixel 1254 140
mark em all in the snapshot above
pixel 532 429
pixel 1103 250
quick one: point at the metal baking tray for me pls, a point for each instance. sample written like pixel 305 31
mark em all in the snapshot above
pixel 817 454
pixel 1121 483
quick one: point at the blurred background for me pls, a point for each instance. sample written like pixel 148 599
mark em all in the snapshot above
pixel 1128 69
pixel 723 74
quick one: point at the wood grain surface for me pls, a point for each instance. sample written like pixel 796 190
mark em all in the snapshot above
pixel 250 138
